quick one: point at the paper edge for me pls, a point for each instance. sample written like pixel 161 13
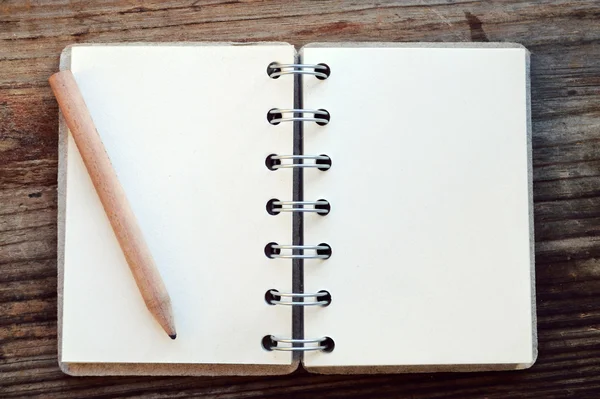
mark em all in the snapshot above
pixel 414 45
pixel 409 369
pixel 534 334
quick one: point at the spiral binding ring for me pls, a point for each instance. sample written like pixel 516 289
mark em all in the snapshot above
pixel 274 206
pixel 322 162
pixel 318 341
pixel 281 204
pixel 276 70
pixel 278 111
pixel 317 248
pixel 316 295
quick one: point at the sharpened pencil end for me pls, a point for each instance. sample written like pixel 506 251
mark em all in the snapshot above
pixel 173 336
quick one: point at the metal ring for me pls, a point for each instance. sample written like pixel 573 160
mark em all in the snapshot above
pixel 315 157
pixel 315 112
pixel 298 341
pixel 299 72
pixel 298 110
pixel 301 165
pixel 298 295
pixel 286 303
pixel 301 247
pixel 298 119
pixel 300 256
pixel 297 69
pixel 311 66
pixel 302 158
pixel 315 247
pixel 319 202
pixel 301 210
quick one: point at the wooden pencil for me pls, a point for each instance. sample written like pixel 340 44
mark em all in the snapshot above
pixel 114 201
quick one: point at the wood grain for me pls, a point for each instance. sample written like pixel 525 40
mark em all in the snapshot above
pixel 564 38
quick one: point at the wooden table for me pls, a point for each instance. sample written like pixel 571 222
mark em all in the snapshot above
pixel 564 38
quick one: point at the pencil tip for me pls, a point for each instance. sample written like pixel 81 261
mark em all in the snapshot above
pixel 173 336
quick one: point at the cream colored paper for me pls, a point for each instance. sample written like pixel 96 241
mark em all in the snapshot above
pixel 429 192
pixel 186 130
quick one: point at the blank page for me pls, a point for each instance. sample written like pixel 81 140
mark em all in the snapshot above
pixel 430 206
pixel 186 130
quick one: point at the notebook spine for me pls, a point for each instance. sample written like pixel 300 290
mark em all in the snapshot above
pixel 321 207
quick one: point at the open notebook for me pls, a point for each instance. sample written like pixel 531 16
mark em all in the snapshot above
pixel 417 222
